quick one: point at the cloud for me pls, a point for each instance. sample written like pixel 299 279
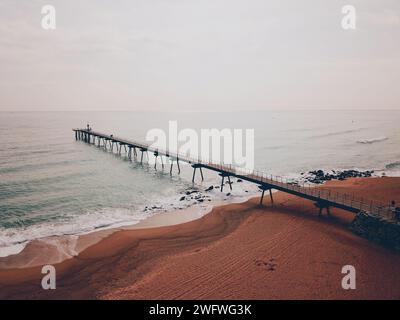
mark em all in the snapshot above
pixel 196 54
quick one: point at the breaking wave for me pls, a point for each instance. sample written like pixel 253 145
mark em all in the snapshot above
pixel 373 140
pixel 393 165
pixel 337 133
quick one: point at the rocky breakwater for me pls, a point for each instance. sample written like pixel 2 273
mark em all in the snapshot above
pixel 381 230
pixel 377 229
pixel 319 176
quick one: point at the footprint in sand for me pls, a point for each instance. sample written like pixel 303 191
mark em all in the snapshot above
pixel 270 265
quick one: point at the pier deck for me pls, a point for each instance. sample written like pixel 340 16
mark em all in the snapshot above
pixel 323 198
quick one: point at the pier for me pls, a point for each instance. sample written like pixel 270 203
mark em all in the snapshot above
pixel 323 198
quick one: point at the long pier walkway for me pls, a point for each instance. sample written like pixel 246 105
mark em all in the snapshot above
pixel 323 198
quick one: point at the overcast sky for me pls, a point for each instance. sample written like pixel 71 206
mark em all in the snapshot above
pixel 199 55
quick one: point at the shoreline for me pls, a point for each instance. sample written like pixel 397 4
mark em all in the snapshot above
pixel 59 248
pixel 239 251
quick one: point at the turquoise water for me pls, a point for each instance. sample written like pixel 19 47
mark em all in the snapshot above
pixel 51 184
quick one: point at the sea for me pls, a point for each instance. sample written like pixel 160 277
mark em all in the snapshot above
pixel 52 185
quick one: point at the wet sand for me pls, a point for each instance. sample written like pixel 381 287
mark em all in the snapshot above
pixel 56 249
pixel 237 251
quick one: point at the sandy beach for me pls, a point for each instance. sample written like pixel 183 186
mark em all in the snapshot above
pixel 237 251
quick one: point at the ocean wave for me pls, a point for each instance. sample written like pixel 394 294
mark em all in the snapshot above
pixel 337 133
pixel 372 140
pixel 14 240
pixel 273 147
pixel 393 165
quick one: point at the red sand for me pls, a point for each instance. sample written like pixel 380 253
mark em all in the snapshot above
pixel 238 251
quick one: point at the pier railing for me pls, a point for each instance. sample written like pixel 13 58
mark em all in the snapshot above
pixel 372 207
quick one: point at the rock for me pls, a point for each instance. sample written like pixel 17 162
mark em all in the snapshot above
pixel 228 194
pixel 190 192
pixel 239 180
pixel 377 229
pixel 210 188
pixel 319 176
pixel 182 198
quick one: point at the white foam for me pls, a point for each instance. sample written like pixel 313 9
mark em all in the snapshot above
pixel 10 249
pixel 14 240
pixel 372 140
pixel 393 165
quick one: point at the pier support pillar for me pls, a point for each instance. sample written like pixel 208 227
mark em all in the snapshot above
pixel 321 205
pixel 197 166
pixel 141 158
pixel 172 159
pixel 155 160
pixel 130 153
pixel 194 173
pixel 223 175
pixel 262 197
pixel 264 188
